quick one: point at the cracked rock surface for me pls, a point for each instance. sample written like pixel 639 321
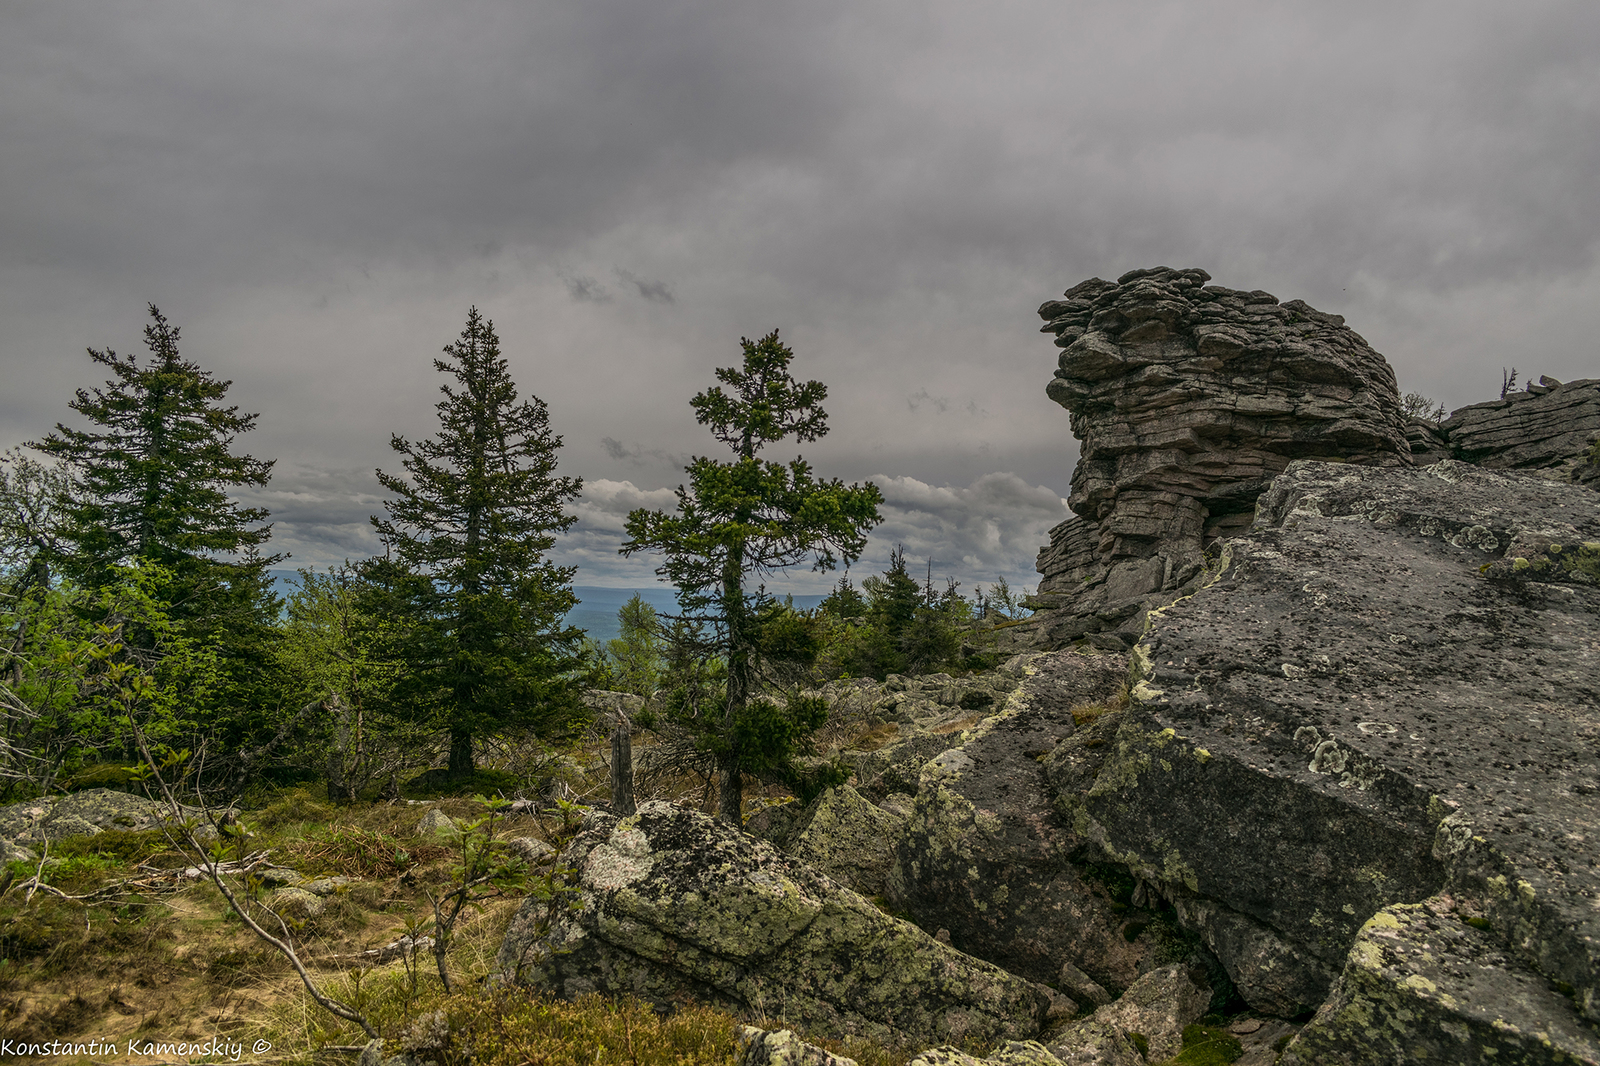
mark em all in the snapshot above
pixel 1391 689
pixel 676 904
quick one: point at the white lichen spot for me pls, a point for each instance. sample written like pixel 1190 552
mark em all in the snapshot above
pixel 1328 758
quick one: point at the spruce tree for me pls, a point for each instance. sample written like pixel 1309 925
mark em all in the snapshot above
pixel 737 521
pixel 479 506
pixel 154 478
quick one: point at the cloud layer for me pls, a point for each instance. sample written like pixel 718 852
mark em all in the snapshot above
pixel 317 193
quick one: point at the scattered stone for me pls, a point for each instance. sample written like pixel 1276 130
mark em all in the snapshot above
pixel 1012 1053
pixel 1077 983
pixel 676 904
pixel 1153 1010
pixel 1189 399
pixel 532 850
pixel 757 1047
pixel 436 823
pixel 295 903
pixel 10 852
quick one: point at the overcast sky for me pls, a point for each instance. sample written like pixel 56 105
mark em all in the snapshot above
pixel 316 193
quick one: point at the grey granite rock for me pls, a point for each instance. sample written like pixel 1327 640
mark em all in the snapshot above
pixel 675 904
pixel 1188 399
pixel 851 840
pixel 1391 688
pixel 1156 1007
pixel 1425 987
pixel 984 857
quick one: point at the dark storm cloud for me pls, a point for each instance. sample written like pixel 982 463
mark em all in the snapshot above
pixel 317 193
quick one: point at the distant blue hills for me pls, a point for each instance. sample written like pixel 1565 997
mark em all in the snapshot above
pixel 597 606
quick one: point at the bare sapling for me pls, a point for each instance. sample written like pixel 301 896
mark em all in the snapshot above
pixel 213 862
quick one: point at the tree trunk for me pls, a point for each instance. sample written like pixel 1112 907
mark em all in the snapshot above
pixel 730 791
pixel 622 767
pixel 338 753
pixel 461 762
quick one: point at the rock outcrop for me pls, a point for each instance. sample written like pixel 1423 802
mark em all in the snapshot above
pixel 1188 400
pixel 676 905
pixel 1547 429
pixel 1390 690
pixel 983 857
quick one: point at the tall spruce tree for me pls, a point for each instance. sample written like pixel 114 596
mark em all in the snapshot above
pixel 154 479
pixel 737 521
pixel 479 507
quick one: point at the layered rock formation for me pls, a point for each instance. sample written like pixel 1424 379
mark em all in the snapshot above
pixel 1548 429
pixel 1188 399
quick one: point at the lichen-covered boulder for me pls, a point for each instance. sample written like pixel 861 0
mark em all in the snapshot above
pixel 296 903
pixel 1424 986
pixel 758 1047
pixel 1157 1007
pixel 1392 688
pixel 851 840
pixel 675 905
pixel 435 823
pixel 86 813
pixel 984 856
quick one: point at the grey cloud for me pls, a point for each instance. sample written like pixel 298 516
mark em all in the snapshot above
pixel 654 291
pixel 317 193
pixel 585 289
pixel 320 516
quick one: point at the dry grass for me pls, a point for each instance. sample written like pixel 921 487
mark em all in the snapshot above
pixel 180 966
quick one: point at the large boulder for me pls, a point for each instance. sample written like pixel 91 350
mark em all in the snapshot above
pixel 676 905
pixel 1425 986
pixel 1189 399
pixel 984 857
pixel 86 813
pixel 851 840
pixel 1390 688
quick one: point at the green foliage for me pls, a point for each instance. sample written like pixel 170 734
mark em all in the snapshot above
pixel 636 656
pixel 337 647
pixel 736 520
pixel 70 684
pixel 897 626
pixel 468 526
pixel 155 476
